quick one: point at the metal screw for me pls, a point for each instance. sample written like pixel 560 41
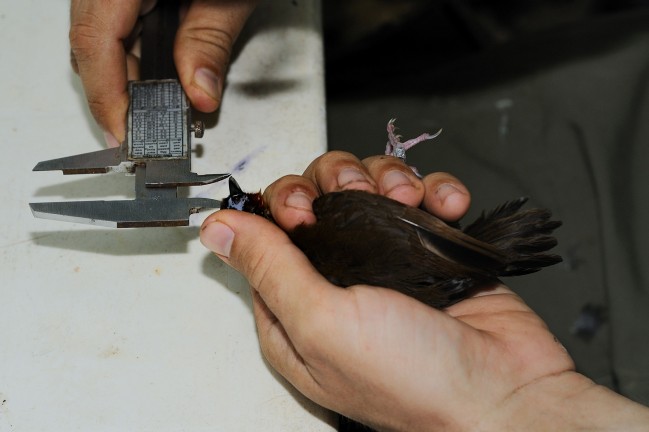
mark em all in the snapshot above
pixel 198 127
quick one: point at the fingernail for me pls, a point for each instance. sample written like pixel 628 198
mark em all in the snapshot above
pixel 218 238
pixel 445 190
pixel 110 139
pixel 350 175
pixel 208 82
pixel 299 200
pixel 393 179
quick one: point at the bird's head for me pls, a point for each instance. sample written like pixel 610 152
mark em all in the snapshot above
pixel 243 201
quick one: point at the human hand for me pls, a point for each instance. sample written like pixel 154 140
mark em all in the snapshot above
pixel 376 355
pixel 100 29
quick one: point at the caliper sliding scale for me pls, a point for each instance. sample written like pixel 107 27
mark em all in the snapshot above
pixel 157 149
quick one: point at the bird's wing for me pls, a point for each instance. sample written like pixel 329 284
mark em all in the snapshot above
pixel 451 243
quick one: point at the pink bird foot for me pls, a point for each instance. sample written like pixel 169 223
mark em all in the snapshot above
pixel 396 148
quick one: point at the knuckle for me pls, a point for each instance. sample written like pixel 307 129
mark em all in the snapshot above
pixel 330 159
pixel 383 161
pixel 210 43
pixel 276 355
pixel 269 352
pixel 287 184
pixel 73 62
pixel 96 104
pixel 85 31
pixel 335 155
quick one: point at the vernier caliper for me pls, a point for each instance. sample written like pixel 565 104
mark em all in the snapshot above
pixel 157 149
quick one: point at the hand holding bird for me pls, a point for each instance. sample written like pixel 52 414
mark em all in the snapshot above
pixel 383 358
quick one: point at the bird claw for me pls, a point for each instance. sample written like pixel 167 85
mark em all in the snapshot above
pixel 396 148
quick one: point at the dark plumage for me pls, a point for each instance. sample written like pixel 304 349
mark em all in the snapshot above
pixel 363 238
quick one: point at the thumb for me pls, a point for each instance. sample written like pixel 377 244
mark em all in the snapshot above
pixel 282 275
pixel 203 47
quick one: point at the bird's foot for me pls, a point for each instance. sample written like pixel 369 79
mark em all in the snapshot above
pixel 396 148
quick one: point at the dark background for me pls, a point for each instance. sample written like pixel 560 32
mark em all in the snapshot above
pixel 545 99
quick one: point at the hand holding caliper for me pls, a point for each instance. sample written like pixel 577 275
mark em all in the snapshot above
pixel 157 148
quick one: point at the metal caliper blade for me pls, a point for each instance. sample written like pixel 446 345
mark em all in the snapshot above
pixel 126 213
pixel 152 207
pixel 102 161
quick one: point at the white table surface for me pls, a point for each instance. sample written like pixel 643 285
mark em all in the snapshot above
pixel 142 329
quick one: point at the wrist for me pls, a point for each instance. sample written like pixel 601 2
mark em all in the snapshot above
pixel 567 401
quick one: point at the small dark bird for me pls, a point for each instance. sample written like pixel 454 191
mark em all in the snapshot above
pixel 364 238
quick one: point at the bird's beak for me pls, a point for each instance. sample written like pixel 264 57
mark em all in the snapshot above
pixel 235 189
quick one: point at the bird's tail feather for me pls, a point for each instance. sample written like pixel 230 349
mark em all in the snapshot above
pixel 522 235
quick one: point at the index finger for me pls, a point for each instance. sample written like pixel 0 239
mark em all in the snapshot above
pixel 97 33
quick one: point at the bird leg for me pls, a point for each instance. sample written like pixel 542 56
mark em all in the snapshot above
pixel 396 148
